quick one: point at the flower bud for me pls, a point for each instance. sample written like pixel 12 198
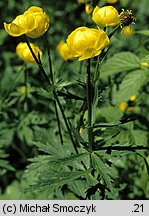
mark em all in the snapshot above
pixel 86 43
pixel 25 54
pixel 133 98
pixel 105 16
pixel 22 89
pixel 64 51
pixel 127 31
pixel 33 22
pixel 88 8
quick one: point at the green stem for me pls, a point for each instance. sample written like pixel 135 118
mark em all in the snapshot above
pixel 55 95
pixel 60 70
pixel 102 55
pixel 96 74
pixel 81 65
pixel 122 148
pixel 114 30
pixel 38 62
pixel 26 96
pixel 52 80
pixel 58 101
pixel 89 106
pixel 49 57
pixel 58 123
pixel 66 122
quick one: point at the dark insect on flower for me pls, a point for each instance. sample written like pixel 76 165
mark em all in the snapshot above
pixel 126 18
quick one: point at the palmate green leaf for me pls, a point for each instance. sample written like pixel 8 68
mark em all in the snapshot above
pixel 105 172
pixel 111 113
pixel 119 62
pixel 3 154
pixel 41 163
pixel 53 179
pixel 91 183
pixel 45 93
pixel 48 93
pixel 39 166
pixel 145 178
pixel 6 135
pixel 55 161
pixel 33 118
pixel 61 84
pixel 78 187
pixel 50 144
pixel 130 85
pixel 4 164
pixel 138 137
pixel 70 159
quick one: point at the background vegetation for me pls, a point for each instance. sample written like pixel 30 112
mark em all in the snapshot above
pixel 33 163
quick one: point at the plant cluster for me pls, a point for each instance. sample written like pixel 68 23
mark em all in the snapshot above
pixel 74 101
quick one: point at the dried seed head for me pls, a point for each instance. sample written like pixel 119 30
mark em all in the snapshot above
pixel 126 18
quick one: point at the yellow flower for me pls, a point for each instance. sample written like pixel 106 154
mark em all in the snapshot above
pixel 86 43
pixel 105 16
pixel 25 54
pixel 34 23
pixel 88 8
pixel 81 131
pixel 127 31
pixel 122 106
pixel 22 89
pixel 64 51
pixel 133 98
pixel 144 63
pixel 111 1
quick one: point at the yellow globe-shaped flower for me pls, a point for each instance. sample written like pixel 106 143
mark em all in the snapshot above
pixel 86 43
pixel 23 51
pixel 105 16
pixel 64 51
pixel 34 23
pixel 42 21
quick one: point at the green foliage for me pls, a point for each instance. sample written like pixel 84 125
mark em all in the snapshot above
pixel 131 85
pixel 145 32
pixel 120 62
pixel 48 150
pixel 4 164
